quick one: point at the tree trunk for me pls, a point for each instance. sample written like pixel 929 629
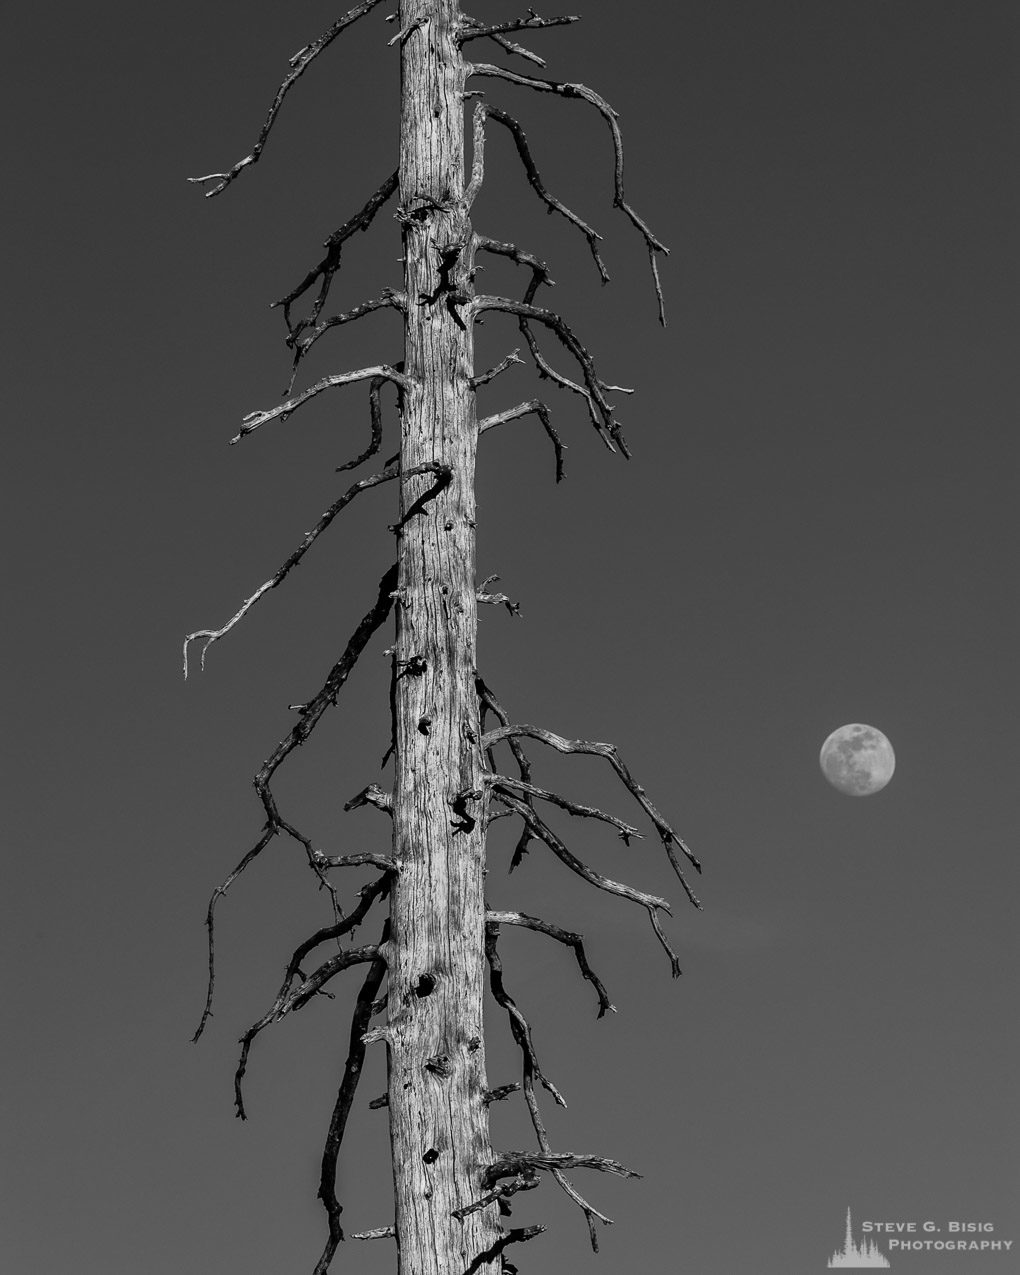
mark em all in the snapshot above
pixel 437 1083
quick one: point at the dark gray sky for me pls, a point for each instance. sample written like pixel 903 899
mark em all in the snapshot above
pixel 817 527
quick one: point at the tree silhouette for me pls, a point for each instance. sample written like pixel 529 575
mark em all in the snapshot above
pixel 452 743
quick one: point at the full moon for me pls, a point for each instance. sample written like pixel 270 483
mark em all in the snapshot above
pixel 858 760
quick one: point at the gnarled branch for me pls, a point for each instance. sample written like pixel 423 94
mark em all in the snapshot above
pixel 368 895
pixel 483 596
pixel 502 782
pixel 515 1161
pixel 360 1019
pixel 566 937
pixel 667 835
pixel 553 204
pixel 373 795
pixel 529 1071
pixel 474 30
pixel 489 704
pixel 519 1025
pixel 213 635
pixel 610 116
pixel 539 269
pixel 330 263
pixel 388 299
pixel 484 377
pixel 540 410
pixel 599 408
pixel 525 1181
pixel 309 716
pixel 254 419
pixel 650 902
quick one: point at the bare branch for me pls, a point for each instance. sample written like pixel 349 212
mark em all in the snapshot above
pixel 213 635
pixel 489 703
pixel 519 1026
pixel 380 1232
pixel 330 263
pixel 523 1182
pixel 512 358
pixel 210 917
pixel 600 409
pixel 341 1109
pixel 356 861
pixel 310 714
pixel 539 408
pixel 545 369
pixel 610 116
pixel 667 835
pixel 529 1071
pixel 375 415
pixel 388 299
pixel 553 204
pixel 300 996
pixel 473 30
pixel 650 902
pixel 515 1161
pixel 538 267
pixel 368 895
pixel 575 941
pixel 299 64
pixel 373 795
pixel 254 419
pixel 502 782
pixel 497 1095
pixel 405 33
pixel 482 596
pixel 519 49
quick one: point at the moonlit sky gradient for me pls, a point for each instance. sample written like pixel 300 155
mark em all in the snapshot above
pixel 818 526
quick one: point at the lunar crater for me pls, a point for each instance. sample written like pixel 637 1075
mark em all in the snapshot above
pixel 857 760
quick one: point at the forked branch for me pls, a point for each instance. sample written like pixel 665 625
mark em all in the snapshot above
pixel 286 998
pixel 501 783
pixel 489 704
pixel 309 716
pixel 653 244
pixel 330 263
pixel 650 902
pixel 373 480
pixel 525 1170
pixel 389 299
pixel 667 835
pixel 474 30
pixel 600 409
pixel 516 1161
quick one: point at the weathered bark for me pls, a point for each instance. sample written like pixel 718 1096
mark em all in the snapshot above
pixel 437 1082
pixel 450 1189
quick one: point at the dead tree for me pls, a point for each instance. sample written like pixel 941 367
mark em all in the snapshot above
pixel 438 942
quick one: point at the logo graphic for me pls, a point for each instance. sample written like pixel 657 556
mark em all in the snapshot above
pixel 866 1255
